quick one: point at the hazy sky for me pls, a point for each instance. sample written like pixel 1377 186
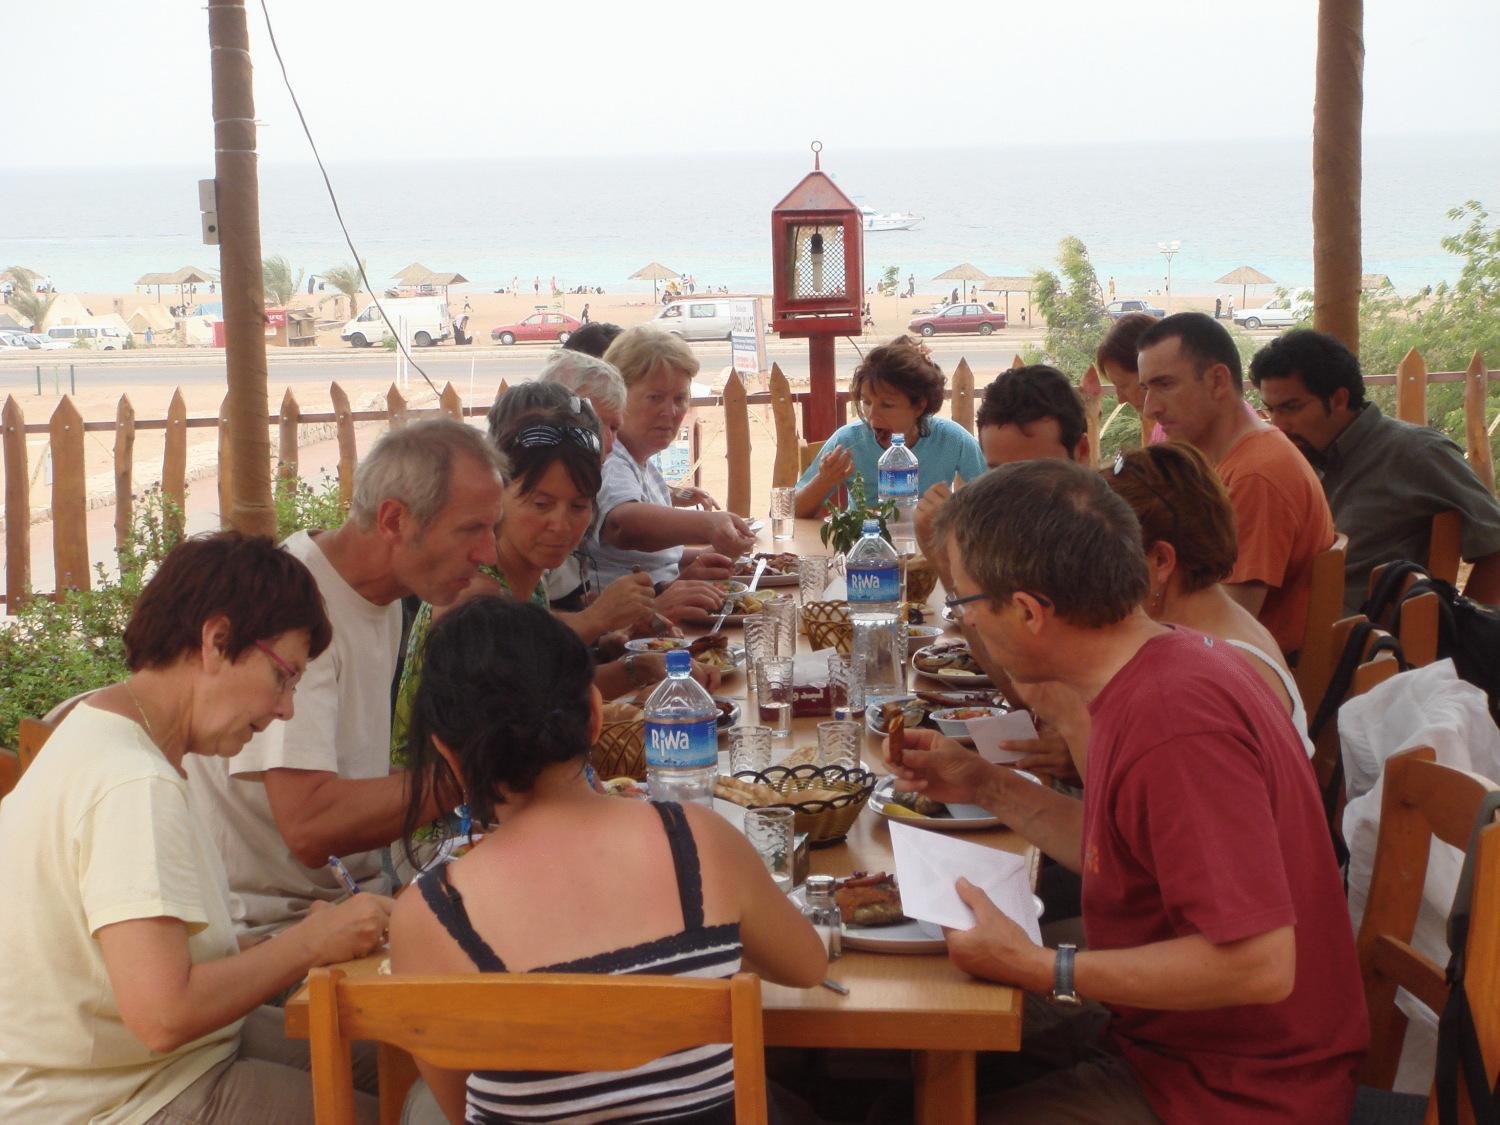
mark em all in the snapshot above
pixel 128 82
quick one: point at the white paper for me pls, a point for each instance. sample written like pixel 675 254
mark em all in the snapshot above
pixel 928 864
pixel 989 732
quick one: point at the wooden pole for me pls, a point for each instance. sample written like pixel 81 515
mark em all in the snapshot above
pixel 1338 108
pixel 820 409
pixel 240 281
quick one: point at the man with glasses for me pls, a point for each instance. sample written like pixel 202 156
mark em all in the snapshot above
pixel 427 500
pixel 1220 981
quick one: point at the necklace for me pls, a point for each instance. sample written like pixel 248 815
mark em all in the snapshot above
pixel 151 734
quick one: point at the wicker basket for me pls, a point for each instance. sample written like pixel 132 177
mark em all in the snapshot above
pixel 921 579
pixel 813 612
pixel 620 750
pixel 823 821
pixel 838 635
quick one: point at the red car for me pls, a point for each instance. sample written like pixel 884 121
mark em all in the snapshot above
pixel 959 318
pixel 553 327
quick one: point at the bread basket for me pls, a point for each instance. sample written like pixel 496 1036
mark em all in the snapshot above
pixel 921 579
pixel 824 821
pixel 620 750
pixel 837 635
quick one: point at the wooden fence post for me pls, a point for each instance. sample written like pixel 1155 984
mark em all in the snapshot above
pixel 348 452
pixel 1017 362
pixel 1093 399
pixel 1411 388
pixel 963 395
pixel 286 439
pixel 174 459
pixel 395 405
pixel 451 402
pixel 786 470
pixel 226 467
pixel 70 529
pixel 124 470
pixel 17 507
pixel 737 444
pixel 1476 386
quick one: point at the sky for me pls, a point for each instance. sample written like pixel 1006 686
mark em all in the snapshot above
pixel 401 79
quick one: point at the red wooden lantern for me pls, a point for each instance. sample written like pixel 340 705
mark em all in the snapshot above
pixel 818 271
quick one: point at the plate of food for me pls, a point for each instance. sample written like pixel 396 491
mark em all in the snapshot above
pixel 878 715
pixel 950 662
pixel 954 721
pixel 871 919
pixel 729 712
pixel 781 568
pixel 924 812
pixel 657 644
pixel 747 603
pixel 713 649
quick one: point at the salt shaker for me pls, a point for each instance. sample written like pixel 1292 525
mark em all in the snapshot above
pixel 822 912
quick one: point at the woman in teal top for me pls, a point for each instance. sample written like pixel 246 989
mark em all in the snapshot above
pixel 896 389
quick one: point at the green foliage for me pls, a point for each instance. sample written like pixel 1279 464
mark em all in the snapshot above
pixel 346 279
pixel 276 277
pixel 32 306
pixel 24 278
pixel 302 505
pixel 889 280
pixel 1072 304
pixel 51 650
pixel 844 527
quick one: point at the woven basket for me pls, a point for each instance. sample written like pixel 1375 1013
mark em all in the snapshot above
pixel 620 750
pixel 921 579
pixel 822 612
pixel 837 635
pixel 823 821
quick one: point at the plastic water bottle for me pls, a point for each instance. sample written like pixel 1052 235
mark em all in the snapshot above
pixel 682 736
pixel 873 574
pixel 898 482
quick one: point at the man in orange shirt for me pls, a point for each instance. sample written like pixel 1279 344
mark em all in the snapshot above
pixel 1190 371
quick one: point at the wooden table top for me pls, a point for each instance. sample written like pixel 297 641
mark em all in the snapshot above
pixel 907 1001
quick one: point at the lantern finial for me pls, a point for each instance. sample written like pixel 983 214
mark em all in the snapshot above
pixel 817 147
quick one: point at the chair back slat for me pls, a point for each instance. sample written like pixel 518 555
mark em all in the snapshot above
pixel 10 771
pixel 807 453
pixel 1444 546
pixel 1319 653
pixel 785 471
pixel 737 444
pixel 1482 962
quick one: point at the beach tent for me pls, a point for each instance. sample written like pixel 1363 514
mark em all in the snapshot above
pixel 654 273
pixel 154 317
pixel 66 308
pixel 965 273
pixel 1009 284
pixel 1244 277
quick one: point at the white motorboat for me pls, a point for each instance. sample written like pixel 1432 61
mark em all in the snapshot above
pixel 888 220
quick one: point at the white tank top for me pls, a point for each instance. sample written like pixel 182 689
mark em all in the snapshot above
pixel 1299 713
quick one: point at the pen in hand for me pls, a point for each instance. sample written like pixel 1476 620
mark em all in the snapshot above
pixel 342 873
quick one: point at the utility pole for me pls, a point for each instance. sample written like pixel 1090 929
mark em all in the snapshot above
pixel 1338 112
pixel 240 279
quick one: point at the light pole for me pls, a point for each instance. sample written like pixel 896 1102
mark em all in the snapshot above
pixel 1168 250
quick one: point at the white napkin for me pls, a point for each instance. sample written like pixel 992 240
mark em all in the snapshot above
pixel 928 864
pixel 992 730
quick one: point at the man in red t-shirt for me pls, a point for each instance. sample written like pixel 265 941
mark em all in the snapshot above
pixel 1218 937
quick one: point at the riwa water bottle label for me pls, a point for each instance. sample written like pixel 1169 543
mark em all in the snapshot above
pixel 874 584
pixel 898 482
pixel 682 745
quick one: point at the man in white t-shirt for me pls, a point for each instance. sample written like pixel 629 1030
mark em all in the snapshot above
pixel 427 501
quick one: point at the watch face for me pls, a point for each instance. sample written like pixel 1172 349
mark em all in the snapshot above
pixel 1068 999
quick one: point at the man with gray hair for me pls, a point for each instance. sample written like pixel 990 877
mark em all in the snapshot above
pixel 1220 981
pixel 593 379
pixel 427 502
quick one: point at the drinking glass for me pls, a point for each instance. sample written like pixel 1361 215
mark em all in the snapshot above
pixel 846 686
pixel 760 639
pixel 774 693
pixel 749 749
pixel 838 743
pixel 770 833
pixel 812 577
pixel 783 512
pixel 783 611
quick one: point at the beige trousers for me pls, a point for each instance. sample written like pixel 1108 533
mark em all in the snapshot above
pixel 268 1080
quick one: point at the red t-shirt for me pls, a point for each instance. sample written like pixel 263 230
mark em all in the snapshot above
pixel 1201 816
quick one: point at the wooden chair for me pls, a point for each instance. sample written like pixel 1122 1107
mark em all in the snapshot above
pixel 10 771
pixel 1325 601
pixel 531 1021
pixel 1368 673
pixel 1482 968
pixel 785 470
pixel 808 453
pixel 1418 627
pixel 737 444
pixel 1422 800
pixel 31 736
pixel 1444 545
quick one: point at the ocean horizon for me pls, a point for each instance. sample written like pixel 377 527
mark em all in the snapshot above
pixel 595 220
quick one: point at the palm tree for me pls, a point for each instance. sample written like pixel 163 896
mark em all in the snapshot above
pixel 24 278
pixel 276 276
pixel 347 280
pixel 32 306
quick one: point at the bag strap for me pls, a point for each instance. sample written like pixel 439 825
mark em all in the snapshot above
pixel 1388 585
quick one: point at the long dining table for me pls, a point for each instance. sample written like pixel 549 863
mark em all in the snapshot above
pixel 919 1003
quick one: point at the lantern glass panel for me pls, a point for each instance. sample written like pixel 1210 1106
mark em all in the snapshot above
pixel 817 261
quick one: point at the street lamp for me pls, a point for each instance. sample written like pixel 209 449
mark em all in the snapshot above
pixel 1168 250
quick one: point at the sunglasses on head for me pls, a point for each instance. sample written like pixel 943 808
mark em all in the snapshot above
pixel 544 433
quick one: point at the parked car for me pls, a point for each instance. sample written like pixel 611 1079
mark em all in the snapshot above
pixel 13 342
pixel 959 318
pixel 695 319
pixel 1117 309
pixel 552 327
pixel 1283 312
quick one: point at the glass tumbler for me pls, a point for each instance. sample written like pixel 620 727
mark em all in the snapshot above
pixel 774 693
pixel 749 749
pixel 838 743
pixel 760 639
pixel 846 684
pixel 770 832
pixel 783 512
pixel 812 577
pixel 783 611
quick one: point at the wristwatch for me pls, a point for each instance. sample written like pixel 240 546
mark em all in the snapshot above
pixel 1062 976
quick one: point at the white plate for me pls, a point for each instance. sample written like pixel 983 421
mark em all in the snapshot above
pixel 645 645
pixel 904 937
pixel 960 818
pixel 952 679
pixel 770 581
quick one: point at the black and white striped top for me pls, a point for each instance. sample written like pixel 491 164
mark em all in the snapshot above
pixel 691 1087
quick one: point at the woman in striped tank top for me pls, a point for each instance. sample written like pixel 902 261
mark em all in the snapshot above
pixel 568 880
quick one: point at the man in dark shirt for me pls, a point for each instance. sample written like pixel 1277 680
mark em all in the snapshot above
pixel 1385 479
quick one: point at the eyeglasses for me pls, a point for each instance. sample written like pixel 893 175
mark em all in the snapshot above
pixel 544 433
pixel 956 605
pixel 287 677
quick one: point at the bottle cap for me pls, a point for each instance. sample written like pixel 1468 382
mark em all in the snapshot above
pixel 820 884
pixel 898 439
pixel 679 662
pixel 872 527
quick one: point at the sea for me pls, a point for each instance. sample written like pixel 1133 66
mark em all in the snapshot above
pixel 585 220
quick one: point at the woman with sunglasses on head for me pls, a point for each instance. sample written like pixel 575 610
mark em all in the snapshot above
pixel 124 994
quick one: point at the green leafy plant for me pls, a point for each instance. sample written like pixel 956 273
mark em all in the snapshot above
pixel 277 279
pixel 346 279
pixel 302 505
pixel 1072 305
pixel 889 281
pixel 844 527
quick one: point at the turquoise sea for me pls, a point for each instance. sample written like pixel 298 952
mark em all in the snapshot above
pixel 595 221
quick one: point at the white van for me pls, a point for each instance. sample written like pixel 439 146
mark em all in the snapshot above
pixel 427 322
pixel 696 318
pixel 102 337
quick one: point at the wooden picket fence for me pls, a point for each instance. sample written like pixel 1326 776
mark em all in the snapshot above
pixel 66 429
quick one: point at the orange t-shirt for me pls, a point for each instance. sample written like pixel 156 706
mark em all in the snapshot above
pixel 1282 519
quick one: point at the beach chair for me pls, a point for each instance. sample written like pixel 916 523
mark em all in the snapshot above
pixel 529 1021
pixel 1325 601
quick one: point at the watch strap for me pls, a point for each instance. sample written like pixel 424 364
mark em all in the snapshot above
pixel 1062 972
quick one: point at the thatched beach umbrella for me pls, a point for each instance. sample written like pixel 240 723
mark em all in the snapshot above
pixel 1244 277
pixel 444 280
pixel 655 272
pixel 1008 285
pixel 1371 282
pixel 965 273
pixel 414 274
